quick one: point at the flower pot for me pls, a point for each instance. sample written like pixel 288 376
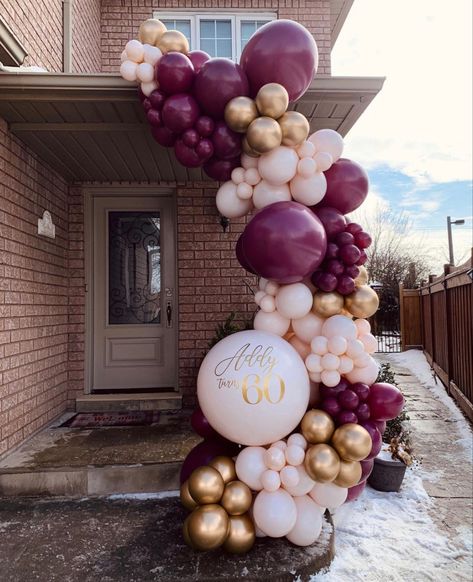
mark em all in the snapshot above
pixel 387 475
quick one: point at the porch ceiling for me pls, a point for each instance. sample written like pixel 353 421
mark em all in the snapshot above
pixel 92 128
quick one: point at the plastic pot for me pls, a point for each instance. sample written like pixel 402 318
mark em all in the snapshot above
pixel 387 475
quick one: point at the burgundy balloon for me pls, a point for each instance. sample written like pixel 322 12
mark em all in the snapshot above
pixel 241 256
pixel 154 117
pixel 349 254
pixel 344 238
pixel 204 452
pixel 204 149
pixel 363 258
pixel 347 186
pixel 157 99
pixel 201 425
pixel 281 51
pixel 205 126
pixel 284 242
pixel 218 81
pixel 329 391
pixel 348 400
pixel 333 220
pixel 221 170
pixel 186 156
pixel 385 401
pixel 352 271
pixel 376 439
pixel 324 281
pixel 353 227
pixel 175 73
pixel 164 136
pixel 363 412
pixel 332 250
pixel 346 285
pixel 346 417
pixel 147 104
pixel 366 469
pixel 180 112
pixel 355 491
pixel 361 390
pixel 227 143
pixel 191 138
pixel 198 58
pixel 362 240
pixel 331 406
pixel 381 425
pixel 335 267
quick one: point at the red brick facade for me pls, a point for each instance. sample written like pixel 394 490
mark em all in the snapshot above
pixel 42 291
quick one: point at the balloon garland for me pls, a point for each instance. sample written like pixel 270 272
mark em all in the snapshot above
pixel 290 412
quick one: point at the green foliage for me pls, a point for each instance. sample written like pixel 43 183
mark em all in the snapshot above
pixel 229 327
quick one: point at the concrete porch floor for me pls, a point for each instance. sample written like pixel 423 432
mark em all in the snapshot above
pixel 100 461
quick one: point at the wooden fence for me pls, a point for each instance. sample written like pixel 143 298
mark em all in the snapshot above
pixel 438 317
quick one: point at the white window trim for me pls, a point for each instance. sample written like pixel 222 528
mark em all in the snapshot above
pixel 235 16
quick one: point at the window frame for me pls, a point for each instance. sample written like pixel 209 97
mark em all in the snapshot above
pixel 236 18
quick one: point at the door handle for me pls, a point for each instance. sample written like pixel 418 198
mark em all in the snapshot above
pixel 169 314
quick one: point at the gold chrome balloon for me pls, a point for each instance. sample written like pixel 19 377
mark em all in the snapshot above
pixel 236 498
pixel 322 463
pixel 327 304
pixel 239 113
pixel 317 426
pixel 363 302
pixel 151 31
pixel 264 134
pixel 186 498
pixel 272 100
pixel 295 128
pixel 173 40
pixel 241 536
pixel 363 277
pixel 349 475
pixel 246 148
pixel 206 485
pixel 185 532
pixel 352 442
pixel 225 466
pixel 208 527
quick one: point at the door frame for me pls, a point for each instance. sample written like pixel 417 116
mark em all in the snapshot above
pixel 90 193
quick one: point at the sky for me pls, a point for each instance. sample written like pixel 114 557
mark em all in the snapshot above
pixel 415 138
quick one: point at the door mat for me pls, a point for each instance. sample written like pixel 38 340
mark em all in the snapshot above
pixel 100 419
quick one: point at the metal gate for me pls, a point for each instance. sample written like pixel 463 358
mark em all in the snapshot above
pixel 386 322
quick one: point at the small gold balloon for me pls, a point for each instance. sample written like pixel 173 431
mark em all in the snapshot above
pixel 236 498
pixel 186 498
pixel 206 485
pixel 352 442
pixel 225 466
pixel 246 148
pixel 322 463
pixel 208 527
pixel 151 31
pixel 264 134
pixel 272 100
pixel 327 304
pixel 295 128
pixel 185 532
pixel 349 475
pixel 363 302
pixel 239 113
pixel 317 426
pixel 363 277
pixel 173 40
pixel 241 536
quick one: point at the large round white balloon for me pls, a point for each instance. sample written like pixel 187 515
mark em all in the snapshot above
pixel 229 204
pixel 250 467
pixel 328 140
pixel 339 325
pixel 308 523
pixel 128 70
pixel 272 322
pixel 275 512
pixel 309 191
pixel 253 388
pixel 366 375
pixel 279 165
pixel 329 495
pixel 294 301
pixel 265 194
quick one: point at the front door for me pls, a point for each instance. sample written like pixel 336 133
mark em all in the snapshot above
pixel 134 289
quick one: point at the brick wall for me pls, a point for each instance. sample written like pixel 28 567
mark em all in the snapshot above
pixel 86 51
pixel 122 18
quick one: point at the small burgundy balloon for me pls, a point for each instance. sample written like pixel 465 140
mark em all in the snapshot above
pixel 348 400
pixel 346 417
pixel 349 254
pixel 385 401
pixel 241 256
pixel 204 452
pixel 191 138
pixel 324 281
pixel 351 271
pixel 347 186
pixel 381 425
pixel 328 391
pixel 154 117
pixel 355 491
pixel 218 81
pixel 198 58
pixel 376 439
pixel 353 228
pixel 221 170
pixel 227 143
pixel 186 156
pixel 164 136
pixel 201 425
pixel 331 406
pixel 175 73
pixel 362 390
pixel 157 99
pixel 363 240
pixel 204 149
pixel 345 285
pixel 335 267
pixel 332 251
pixel 362 411
pixel 366 469
pixel 332 219
pixel 205 126
pixel 344 238
pixel 180 112
pixel 363 258
pixel 147 104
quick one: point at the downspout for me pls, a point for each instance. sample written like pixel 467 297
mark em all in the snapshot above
pixel 67 36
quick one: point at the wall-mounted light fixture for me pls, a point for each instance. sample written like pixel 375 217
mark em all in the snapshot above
pixel 46 226
pixel 224 223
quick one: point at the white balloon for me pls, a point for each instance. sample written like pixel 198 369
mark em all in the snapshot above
pixel 151 54
pixel 148 88
pixel 339 325
pixel 295 455
pixel 308 523
pixel 323 160
pixel 329 495
pixel 289 476
pixel 298 440
pixel 301 348
pixel 134 50
pixel 268 304
pixel 328 140
pixel 145 73
pixel 308 191
pixel 274 458
pixel 308 327
pixel 128 70
pixel 272 288
pixel 305 483
pixel 370 342
pixel 330 362
pixel 252 176
pixel 313 363
pixel 279 165
pixel 363 326
pixel 306 167
pixel 259 295
pixel 280 445
pixel 366 375
pixel 337 345
pixel 244 191
pixel 248 161
pixel 346 365
pixel 275 513
pixel 238 175
pixel 250 466
pixel 306 149
pixel 330 377
pixel 229 204
pixel 265 194
pixel 253 387
pixel 319 345
pixel 271 322
pixel 315 377
pixel 294 301
pixel 362 361
pixel 355 348
pixel 270 480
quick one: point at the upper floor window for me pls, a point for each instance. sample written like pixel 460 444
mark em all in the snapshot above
pixel 219 34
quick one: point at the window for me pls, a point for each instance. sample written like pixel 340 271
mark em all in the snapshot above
pixel 220 34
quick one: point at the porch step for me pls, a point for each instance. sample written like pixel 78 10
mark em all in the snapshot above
pixel 128 402
pixel 68 462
